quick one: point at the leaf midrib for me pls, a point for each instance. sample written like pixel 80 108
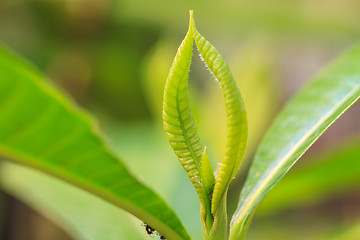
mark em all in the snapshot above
pixel 182 126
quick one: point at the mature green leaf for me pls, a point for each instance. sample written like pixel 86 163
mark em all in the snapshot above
pixel 236 137
pixel 82 215
pixel 332 173
pixel 41 128
pixel 301 122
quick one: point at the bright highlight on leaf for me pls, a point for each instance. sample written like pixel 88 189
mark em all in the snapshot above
pixel 181 130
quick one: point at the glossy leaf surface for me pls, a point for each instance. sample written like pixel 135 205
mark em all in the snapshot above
pixel 42 128
pixel 300 123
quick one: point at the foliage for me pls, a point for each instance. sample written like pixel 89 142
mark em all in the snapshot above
pixel 42 129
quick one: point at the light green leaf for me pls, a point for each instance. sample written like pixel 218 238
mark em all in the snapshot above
pixel 220 228
pixel 179 123
pixel 41 128
pixel 207 173
pixel 208 181
pixel 300 123
pixel 236 137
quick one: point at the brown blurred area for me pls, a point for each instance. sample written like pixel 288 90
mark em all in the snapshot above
pixel 19 222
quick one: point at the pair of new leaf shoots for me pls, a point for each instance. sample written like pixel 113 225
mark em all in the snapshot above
pixel 182 134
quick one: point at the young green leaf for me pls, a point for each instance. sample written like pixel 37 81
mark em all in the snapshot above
pixel 208 180
pixel 181 130
pixel 207 173
pixel 300 123
pixel 178 122
pixel 236 137
pixel 180 126
pixel 41 128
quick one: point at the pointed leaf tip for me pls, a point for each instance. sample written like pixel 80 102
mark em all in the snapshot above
pixel 207 173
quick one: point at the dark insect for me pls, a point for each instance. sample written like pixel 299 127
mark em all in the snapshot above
pixel 149 229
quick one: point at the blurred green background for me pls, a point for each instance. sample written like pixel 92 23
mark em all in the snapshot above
pixel 112 57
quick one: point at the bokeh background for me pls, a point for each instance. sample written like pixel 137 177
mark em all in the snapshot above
pixel 112 57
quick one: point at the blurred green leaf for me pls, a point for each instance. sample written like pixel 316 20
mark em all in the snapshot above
pixel 41 128
pixel 154 70
pixel 301 122
pixel 79 213
pixel 254 71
